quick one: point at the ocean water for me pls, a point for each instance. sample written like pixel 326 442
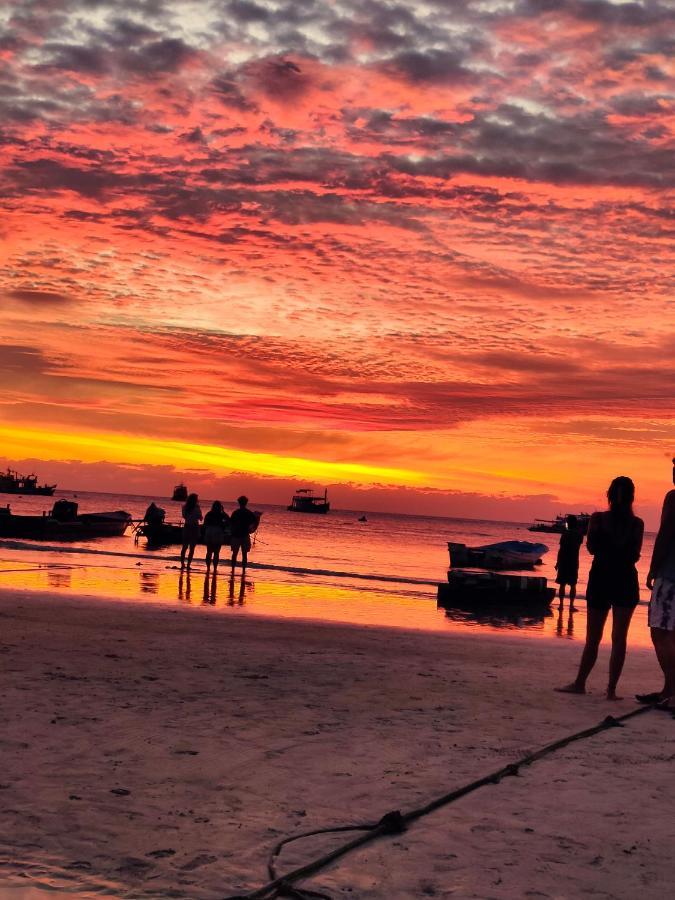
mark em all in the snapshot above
pixel 380 572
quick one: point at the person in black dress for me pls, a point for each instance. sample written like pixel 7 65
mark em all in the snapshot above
pixel 567 564
pixel 216 522
pixel 615 542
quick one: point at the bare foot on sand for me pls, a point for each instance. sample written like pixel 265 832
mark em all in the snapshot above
pixel 611 695
pixel 570 689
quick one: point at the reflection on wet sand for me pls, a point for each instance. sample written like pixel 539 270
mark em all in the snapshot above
pixel 497 616
pixel 149 582
pixel 241 595
pixel 184 586
pixel 236 590
pixel 569 632
pixel 60 578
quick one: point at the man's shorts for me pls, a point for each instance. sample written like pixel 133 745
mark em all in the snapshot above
pixel 241 543
pixel 662 605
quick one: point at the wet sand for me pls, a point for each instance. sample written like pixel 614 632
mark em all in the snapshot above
pixel 159 751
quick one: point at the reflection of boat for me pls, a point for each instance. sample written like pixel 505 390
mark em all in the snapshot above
pixel 306 501
pixel 180 492
pixel 13 483
pixel 558 525
pixel 468 588
pixel 64 523
pixel 502 555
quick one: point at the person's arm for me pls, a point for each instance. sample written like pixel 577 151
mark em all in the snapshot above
pixel 664 539
pixel 593 533
pixel 638 534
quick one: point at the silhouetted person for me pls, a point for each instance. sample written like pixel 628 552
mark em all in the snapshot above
pixel 615 541
pixel 215 522
pixel 242 523
pixel 661 582
pixel 191 529
pixel 154 515
pixel 567 564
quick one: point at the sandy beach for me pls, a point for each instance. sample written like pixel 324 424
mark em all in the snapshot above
pixel 154 751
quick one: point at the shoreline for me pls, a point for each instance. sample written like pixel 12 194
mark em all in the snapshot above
pixel 162 753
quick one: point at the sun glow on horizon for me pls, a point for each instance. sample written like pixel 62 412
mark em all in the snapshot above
pixel 134 450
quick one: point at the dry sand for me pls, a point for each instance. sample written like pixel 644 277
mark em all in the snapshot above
pixel 162 751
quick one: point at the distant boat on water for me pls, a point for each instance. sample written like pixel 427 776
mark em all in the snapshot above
pixel 306 501
pixel 180 492
pixel 559 524
pixel 13 483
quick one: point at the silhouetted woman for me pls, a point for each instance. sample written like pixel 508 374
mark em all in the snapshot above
pixel 215 522
pixel 615 541
pixel 191 529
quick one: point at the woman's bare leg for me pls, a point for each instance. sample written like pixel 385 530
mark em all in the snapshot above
pixel 191 554
pixel 621 616
pixel 595 625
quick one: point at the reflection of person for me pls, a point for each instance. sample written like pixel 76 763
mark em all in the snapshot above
pixel 184 586
pixel 243 584
pixel 193 516
pixel 210 588
pixel 661 582
pixel 215 522
pixel 615 541
pixel 242 523
pixel 567 564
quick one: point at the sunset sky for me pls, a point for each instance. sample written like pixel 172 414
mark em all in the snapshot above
pixel 420 252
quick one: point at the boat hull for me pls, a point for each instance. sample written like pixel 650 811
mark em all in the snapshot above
pixel 45 490
pixel 499 556
pixel 47 528
pixel 466 588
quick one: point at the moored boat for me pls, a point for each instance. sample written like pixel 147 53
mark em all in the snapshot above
pixel 559 524
pixel 63 523
pixel 306 501
pixel 13 483
pixel 468 587
pixel 501 555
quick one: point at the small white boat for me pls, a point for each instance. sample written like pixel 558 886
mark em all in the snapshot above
pixel 502 555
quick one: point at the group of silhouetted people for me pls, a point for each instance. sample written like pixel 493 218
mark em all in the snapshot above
pixel 615 542
pixel 217 524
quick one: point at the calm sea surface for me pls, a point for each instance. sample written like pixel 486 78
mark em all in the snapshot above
pixel 380 572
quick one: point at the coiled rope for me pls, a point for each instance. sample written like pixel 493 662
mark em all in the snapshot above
pixel 396 822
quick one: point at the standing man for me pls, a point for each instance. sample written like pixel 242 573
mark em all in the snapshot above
pixel 661 582
pixel 242 524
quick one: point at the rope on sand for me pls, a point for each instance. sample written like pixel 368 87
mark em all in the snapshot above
pixel 396 822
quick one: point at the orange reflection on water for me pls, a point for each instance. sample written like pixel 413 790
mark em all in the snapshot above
pixel 268 594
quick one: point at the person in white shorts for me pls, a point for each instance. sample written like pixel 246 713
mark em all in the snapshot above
pixel 661 582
